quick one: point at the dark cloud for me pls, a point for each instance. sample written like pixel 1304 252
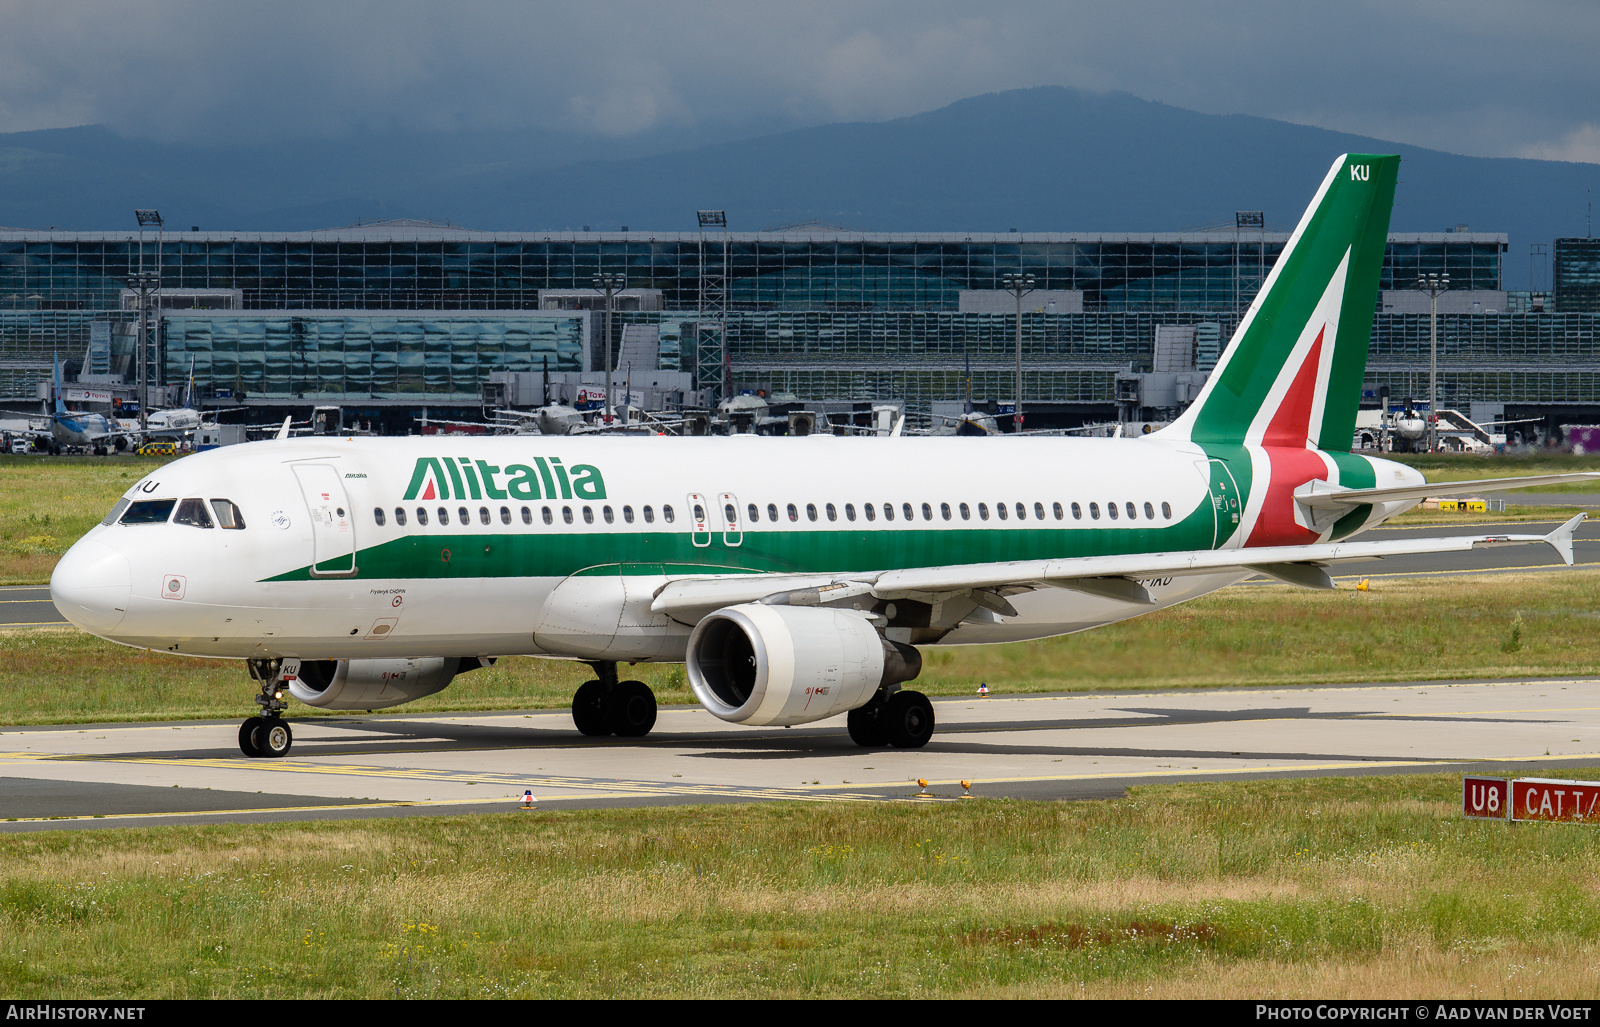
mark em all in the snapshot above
pixel 1473 76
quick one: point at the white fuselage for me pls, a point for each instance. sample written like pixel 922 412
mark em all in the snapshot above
pixel 560 544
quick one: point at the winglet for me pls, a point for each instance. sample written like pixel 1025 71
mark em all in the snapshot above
pixel 283 432
pixel 1561 538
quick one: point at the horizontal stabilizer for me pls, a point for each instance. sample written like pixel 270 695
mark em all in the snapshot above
pixel 1319 495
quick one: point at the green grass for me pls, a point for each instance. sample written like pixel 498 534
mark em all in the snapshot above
pixel 1358 887
pixel 48 503
pixel 1505 625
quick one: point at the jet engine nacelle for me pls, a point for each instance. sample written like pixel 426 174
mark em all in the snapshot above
pixel 758 664
pixel 371 684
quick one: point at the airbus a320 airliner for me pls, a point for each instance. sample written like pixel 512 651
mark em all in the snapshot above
pixel 796 578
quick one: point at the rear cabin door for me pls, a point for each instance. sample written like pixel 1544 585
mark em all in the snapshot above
pixel 333 536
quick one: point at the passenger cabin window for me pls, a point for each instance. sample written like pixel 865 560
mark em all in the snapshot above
pixel 849 511
pixel 1111 510
pixel 588 515
pixel 149 511
pixel 399 514
pixel 1166 510
pixel 483 515
pixel 649 514
pixel 1056 508
pixel 444 516
pixel 422 517
pixel 610 517
pixel 566 514
pixel 667 514
pixel 1077 512
pixel 910 514
pixel 193 513
pixel 627 514
pixel 794 512
pixel 505 515
pixel 1094 511
pixel 755 513
pixel 833 512
pixel 377 515
pixel 1038 511
pixel 1133 512
pixel 466 516
pixel 228 515
pixel 1022 511
pixel 944 510
pixel 966 512
pixel 927 512
pixel 548 517
pixel 983 511
pixel 1001 511
pixel 1149 512
pixel 527 515
pixel 811 511
pixel 870 510
pixel 888 511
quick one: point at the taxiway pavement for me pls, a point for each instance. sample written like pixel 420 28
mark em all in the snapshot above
pixel 1041 747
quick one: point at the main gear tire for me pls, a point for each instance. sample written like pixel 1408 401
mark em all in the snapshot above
pixel 866 725
pixel 631 709
pixel 589 709
pixel 908 720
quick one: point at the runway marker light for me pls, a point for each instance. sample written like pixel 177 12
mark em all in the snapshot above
pixel 983 688
pixel 966 789
pixel 528 801
pixel 922 783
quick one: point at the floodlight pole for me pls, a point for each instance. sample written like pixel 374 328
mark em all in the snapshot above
pixel 1433 283
pixel 610 283
pixel 1018 285
pixel 145 287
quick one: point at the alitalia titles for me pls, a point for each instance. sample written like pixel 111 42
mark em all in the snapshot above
pixel 464 478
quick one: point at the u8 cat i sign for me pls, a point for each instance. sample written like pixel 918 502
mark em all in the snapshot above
pixel 1530 798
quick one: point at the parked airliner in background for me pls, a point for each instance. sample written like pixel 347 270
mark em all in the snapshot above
pixel 796 578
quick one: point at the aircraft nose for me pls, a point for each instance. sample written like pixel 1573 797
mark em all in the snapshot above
pixel 91 586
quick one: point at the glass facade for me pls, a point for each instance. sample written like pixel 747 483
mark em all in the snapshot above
pixel 1577 275
pixel 438 355
pixel 425 313
pixel 373 269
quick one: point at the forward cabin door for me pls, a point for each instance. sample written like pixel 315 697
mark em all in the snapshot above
pixel 333 536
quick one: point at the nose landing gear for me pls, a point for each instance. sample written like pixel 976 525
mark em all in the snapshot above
pixel 269 734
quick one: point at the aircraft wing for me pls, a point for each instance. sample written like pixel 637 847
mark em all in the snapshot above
pixel 1109 577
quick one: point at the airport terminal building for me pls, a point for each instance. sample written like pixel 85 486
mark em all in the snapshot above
pixel 409 316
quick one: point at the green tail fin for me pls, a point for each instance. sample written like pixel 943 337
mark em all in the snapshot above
pixel 1292 373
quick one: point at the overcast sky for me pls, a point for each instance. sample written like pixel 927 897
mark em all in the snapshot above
pixel 1468 76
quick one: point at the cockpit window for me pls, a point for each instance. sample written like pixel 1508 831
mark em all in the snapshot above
pixel 116 511
pixel 149 511
pixel 193 513
pixel 228 515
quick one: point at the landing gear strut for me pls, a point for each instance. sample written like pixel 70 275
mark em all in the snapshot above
pixel 901 718
pixel 269 734
pixel 607 706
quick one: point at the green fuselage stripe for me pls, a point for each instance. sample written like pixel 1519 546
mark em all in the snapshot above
pixel 548 553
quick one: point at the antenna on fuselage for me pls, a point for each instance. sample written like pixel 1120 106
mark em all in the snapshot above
pixel 283 432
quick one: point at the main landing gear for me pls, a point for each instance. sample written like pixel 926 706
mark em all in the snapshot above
pixel 607 706
pixel 903 719
pixel 269 734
